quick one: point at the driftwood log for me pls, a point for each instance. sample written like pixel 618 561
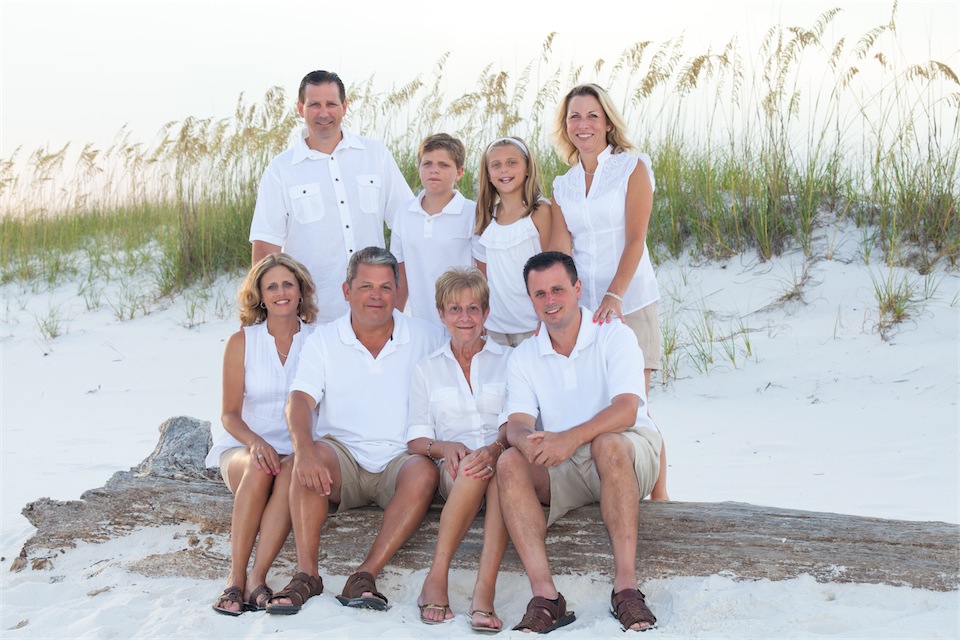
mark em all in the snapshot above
pixel 172 487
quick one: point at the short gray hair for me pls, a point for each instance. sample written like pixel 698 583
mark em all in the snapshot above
pixel 376 256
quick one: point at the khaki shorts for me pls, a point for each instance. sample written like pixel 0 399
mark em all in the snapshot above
pixel 225 458
pixel 576 482
pixel 645 324
pixel 359 487
pixel 509 339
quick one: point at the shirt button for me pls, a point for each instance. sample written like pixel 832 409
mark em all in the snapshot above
pixel 348 226
pixel 341 202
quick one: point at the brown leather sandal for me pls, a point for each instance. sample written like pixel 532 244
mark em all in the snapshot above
pixel 230 594
pixel 630 608
pixel 259 598
pixel 543 616
pixel 299 590
pixel 358 584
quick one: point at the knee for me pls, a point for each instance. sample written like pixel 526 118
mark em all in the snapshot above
pixel 422 473
pixel 511 466
pixel 611 450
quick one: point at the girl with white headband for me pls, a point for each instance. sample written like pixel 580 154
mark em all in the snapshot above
pixel 513 224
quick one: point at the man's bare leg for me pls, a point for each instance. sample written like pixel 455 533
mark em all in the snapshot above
pixel 525 487
pixel 613 456
pixel 416 485
pixel 308 511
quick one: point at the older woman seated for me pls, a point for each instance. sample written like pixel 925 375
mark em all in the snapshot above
pixel 276 305
pixel 457 397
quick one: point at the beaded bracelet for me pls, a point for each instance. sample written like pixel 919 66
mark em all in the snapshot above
pixel 614 296
pixel 428 450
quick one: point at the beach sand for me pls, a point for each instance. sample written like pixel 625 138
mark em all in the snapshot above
pixel 797 402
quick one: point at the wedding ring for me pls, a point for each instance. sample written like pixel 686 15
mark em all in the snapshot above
pixel 259 455
pixel 490 468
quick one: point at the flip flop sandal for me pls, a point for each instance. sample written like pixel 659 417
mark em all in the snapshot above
pixel 259 599
pixel 443 608
pixel 358 584
pixel 299 590
pixel 630 608
pixel 543 616
pixel 486 614
pixel 230 594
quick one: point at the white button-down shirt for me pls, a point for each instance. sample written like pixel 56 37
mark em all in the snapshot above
pixel 321 208
pixel 444 407
pixel 364 401
pixel 428 245
pixel 597 224
pixel 567 391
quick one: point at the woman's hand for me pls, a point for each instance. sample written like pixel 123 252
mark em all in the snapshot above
pixel 452 453
pixel 482 463
pixel 265 457
pixel 609 309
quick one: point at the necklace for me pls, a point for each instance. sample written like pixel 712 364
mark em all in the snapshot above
pixel 282 354
pixel 587 172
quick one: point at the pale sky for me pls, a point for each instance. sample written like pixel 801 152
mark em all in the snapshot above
pixel 78 70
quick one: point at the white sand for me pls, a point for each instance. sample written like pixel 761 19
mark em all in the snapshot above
pixel 822 415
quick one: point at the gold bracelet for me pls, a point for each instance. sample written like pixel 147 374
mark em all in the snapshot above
pixel 428 450
pixel 500 444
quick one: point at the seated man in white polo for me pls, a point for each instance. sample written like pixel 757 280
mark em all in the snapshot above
pixel 357 369
pixel 586 382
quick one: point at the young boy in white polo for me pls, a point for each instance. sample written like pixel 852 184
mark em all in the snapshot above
pixel 433 233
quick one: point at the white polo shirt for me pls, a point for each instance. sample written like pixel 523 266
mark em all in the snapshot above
pixel 444 407
pixel 597 223
pixel 321 208
pixel 363 401
pixel 428 245
pixel 567 391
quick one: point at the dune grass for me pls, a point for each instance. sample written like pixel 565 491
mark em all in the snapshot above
pixel 753 151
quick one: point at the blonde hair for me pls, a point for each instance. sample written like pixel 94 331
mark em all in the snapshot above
pixel 248 297
pixel 454 280
pixel 616 137
pixel 487 196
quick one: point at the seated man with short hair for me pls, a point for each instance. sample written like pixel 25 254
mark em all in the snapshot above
pixel 586 382
pixel 357 369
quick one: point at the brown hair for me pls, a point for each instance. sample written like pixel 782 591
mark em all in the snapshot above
pixel 248 297
pixel 448 143
pixel 487 196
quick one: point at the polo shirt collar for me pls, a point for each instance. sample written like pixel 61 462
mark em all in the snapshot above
pixel 302 152
pixel 401 331
pixel 454 207
pixel 585 337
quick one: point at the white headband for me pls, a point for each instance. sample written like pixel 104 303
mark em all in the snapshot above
pixel 513 141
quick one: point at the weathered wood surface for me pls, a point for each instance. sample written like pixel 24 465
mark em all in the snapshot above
pixel 676 539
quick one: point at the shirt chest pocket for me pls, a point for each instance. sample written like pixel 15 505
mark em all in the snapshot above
pixel 307 202
pixel 446 405
pixel 368 192
pixel 492 398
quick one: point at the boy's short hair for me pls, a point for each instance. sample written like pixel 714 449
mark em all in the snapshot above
pixel 445 141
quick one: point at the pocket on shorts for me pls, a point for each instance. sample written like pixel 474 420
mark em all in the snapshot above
pixel 492 397
pixel 307 202
pixel 368 190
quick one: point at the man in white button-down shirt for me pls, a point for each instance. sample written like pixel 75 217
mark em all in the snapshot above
pixel 328 195
pixel 586 381
pixel 355 376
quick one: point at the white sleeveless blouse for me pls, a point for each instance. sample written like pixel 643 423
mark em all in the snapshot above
pixel 597 224
pixel 266 385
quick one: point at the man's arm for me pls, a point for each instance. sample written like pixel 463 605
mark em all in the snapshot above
pixel 261 250
pixel 517 430
pixel 551 448
pixel 307 465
